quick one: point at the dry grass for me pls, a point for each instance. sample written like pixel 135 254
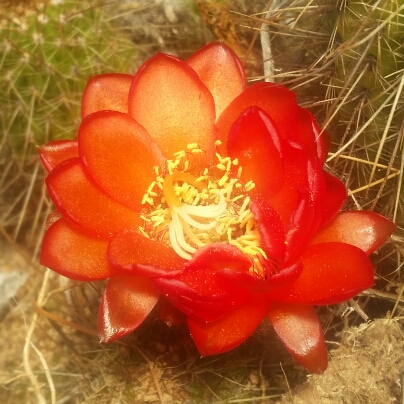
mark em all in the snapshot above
pixel 52 321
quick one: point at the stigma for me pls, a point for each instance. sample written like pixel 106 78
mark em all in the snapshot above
pixel 187 212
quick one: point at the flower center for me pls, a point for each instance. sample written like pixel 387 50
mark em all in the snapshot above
pixel 187 212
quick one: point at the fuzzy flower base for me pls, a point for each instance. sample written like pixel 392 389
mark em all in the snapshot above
pixel 188 190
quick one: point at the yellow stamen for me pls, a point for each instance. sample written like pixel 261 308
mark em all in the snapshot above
pixel 192 211
pixel 168 186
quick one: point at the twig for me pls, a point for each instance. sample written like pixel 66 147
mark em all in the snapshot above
pixel 150 364
pixel 47 372
pixel 266 42
pixel 28 344
pixel 287 382
pixel 63 321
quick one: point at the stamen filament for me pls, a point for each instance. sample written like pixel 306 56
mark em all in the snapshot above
pixel 180 234
pixel 194 223
pixel 202 209
pixel 174 242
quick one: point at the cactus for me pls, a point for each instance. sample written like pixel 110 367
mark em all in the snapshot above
pixel 346 60
pixel 47 52
pixel 369 74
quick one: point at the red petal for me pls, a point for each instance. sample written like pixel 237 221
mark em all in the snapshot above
pixel 175 107
pixel 238 282
pixel 310 136
pixel 170 314
pixel 277 101
pixel 286 275
pixel 295 184
pixel 126 303
pixel 119 155
pixel 201 271
pixel 317 194
pixel 106 92
pixel 300 229
pixel 205 307
pixel 363 229
pixel 254 141
pixel 335 197
pixel 271 229
pixel 332 273
pixel 219 256
pixel 299 329
pixel 142 256
pixel 81 201
pixel 225 334
pixel 72 252
pixel 198 291
pixel 53 153
pixel 221 71
pixel 323 141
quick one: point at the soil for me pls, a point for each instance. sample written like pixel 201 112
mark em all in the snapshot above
pixel 367 368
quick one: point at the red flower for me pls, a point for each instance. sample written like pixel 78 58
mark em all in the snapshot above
pixel 184 183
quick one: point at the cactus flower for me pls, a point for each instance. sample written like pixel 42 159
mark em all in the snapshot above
pixel 187 189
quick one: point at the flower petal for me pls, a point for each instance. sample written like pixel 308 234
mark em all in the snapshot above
pixel 271 229
pixel 217 256
pixel 277 101
pixel 335 197
pixel 363 229
pixel 309 134
pixel 299 329
pixel 300 228
pixel 119 155
pixel 72 252
pixel 332 273
pixel 296 183
pixel 53 153
pixel 286 275
pixel 170 314
pixel 106 92
pixel 254 140
pixel 198 291
pixel 76 197
pixel 126 303
pixel 138 255
pixel 174 106
pixel 204 307
pixel 221 71
pixel 225 334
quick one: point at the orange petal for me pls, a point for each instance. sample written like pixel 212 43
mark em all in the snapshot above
pixel 299 329
pixel 225 334
pixel 53 153
pixel 332 273
pixel 221 71
pixel 175 107
pixel 72 252
pixel 135 253
pixel 277 101
pixel 52 218
pixel 126 303
pixel 106 92
pixel 363 229
pixel 78 198
pixel 119 155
